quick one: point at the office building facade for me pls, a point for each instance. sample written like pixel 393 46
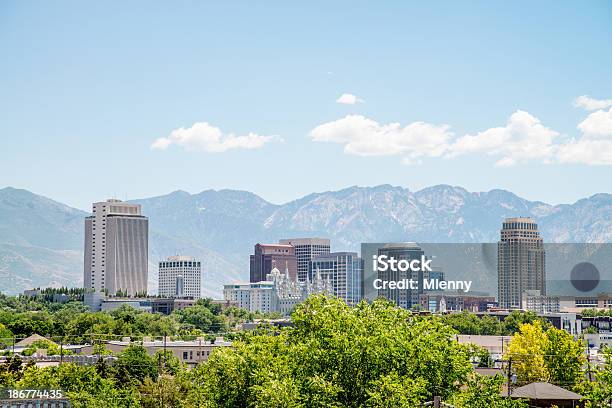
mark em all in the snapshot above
pixel 268 256
pixel 307 249
pixel 345 271
pixel 521 262
pixel 180 277
pixel 408 251
pixel 116 249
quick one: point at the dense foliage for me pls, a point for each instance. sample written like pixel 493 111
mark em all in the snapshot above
pixel 469 323
pixel 73 323
pixel 371 355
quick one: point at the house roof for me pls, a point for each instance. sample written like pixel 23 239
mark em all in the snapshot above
pixel 29 340
pixel 544 391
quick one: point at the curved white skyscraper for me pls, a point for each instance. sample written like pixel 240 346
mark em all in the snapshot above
pixel 116 249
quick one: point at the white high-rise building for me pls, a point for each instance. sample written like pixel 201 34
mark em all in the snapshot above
pixel 180 277
pixel 521 262
pixel 116 249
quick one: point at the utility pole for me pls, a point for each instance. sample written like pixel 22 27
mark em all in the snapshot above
pixel 509 374
pixel 161 391
pixel 61 350
pixel 159 366
pixel 588 357
pixel 164 350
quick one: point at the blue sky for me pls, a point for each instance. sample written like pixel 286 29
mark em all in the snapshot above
pixel 87 89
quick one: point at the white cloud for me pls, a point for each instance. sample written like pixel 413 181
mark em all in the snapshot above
pixel 584 151
pixel 588 103
pixel 365 137
pixel 349 99
pixel 523 139
pixel 202 136
pixel 597 125
pixel 595 145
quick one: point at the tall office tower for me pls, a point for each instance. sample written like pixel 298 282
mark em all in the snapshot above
pixel 267 256
pixel 180 277
pixel 345 270
pixel 116 248
pixel 306 249
pixel 521 262
pixel 408 251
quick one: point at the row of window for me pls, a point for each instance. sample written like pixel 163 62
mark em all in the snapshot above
pixel 179 264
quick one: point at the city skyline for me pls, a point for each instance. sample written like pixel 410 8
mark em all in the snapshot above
pixel 347 203
pixel 445 91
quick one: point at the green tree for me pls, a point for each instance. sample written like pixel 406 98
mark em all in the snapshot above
pixel 99 349
pixel 6 336
pixel 485 392
pixel 394 391
pixel 12 370
pixel 202 318
pixel 168 362
pixel 167 392
pixel 564 358
pixel 599 392
pixel 515 319
pixel 134 364
pixel 470 323
pixel 30 323
pixel 89 325
pixel 335 356
pixel 82 384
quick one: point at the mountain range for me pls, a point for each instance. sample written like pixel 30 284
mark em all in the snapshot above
pixel 41 240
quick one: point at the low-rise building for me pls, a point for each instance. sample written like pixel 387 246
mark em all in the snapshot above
pixel 238 293
pixel 570 322
pixel 99 302
pixel 111 304
pixel 446 301
pixel 602 301
pixel 190 352
pixel 535 301
pixel 495 345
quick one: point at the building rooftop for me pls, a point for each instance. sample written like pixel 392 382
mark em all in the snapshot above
pixel 494 344
pixel 219 342
pixel 520 219
pixel 407 245
pixel 305 241
pixel 545 391
pixel 180 258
